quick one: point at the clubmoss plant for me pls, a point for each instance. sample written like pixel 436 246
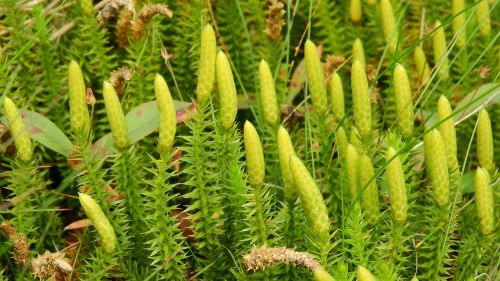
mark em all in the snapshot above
pixel 485 142
pixel 192 193
pixel 286 150
pixel 321 274
pixel 483 18
pixel 361 100
pixel 314 207
pixel 77 98
pixel 459 21
pixel 315 78
pixel 357 243
pixel 87 6
pixel 439 46
pixel 206 209
pixel 115 116
pixel 336 96
pixel 364 275
pixel 168 116
pixel 484 201
pixel 227 90
pixel 437 167
pixel 389 25
pixel 268 99
pixel 206 70
pixel 355 10
pixel 312 200
pixel 368 185
pixel 403 98
pixel 397 186
pixel 358 52
pixel 356 140
pixel 254 155
pixel 100 222
pixel 448 131
pixel 342 142
pixel 421 64
pixel 352 165
pixel 20 134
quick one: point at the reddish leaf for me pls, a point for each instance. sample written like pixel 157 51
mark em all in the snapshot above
pixel 78 224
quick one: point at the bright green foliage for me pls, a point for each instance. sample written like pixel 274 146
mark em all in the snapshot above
pixel 485 142
pixel 368 183
pixel 458 24
pixel 168 116
pixel 357 238
pixel 286 150
pixel 18 130
pixel 397 186
pixel 254 155
pixel 389 25
pixel 100 222
pixel 336 96
pixel 115 116
pixel 358 52
pixel 440 48
pixel 484 201
pixel 352 161
pixel 483 18
pixel 447 130
pixel 206 207
pixel 227 91
pixel 311 198
pixel 437 167
pixel 206 70
pixel 166 241
pixel 321 274
pixel 403 97
pixel 240 199
pixel 422 66
pixel 268 100
pixel 79 112
pixel 327 26
pixel 364 275
pixel 198 212
pixel 355 10
pixel 316 78
pixel 361 100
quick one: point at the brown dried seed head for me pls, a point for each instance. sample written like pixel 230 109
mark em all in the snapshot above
pixel 123 27
pixel 146 14
pixel 110 10
pixel 119 77
pixel 20 245
pixel 260 258
pixel 50 265
pixel 274 21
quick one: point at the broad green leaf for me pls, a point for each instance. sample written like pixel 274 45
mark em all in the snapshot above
pixel 467 184
pixel 297 81
pixel 299 77
pixel 42 130
pixel 483 97
pixel 246 101
pixel 142 121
